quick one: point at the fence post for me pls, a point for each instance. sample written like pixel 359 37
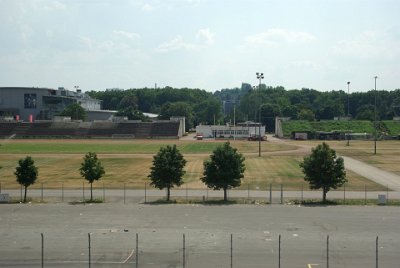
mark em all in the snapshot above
pixel 248 193
pixel 0 187
pixel 327 251
pixel 41 193
pixel 387 193
pixel 83 192
pixel 21 193
pixel 104 193
pixel 231 250
pixel 365 194
pixel 376 253
pixel 89 251
pixel 124 193
pixel 281 193
pixel 279 252
pixel 270 193
pixel 186 191
pixel 42 249
pixel 207 193
pixel 302 194
pixel 145 192
pixel 137 250
pixel 184 252
pixel 344 193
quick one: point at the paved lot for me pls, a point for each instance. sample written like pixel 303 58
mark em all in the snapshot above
pixel 255 231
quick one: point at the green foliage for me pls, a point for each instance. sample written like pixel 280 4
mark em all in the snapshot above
pixel 177 109
pixel 91 169
pixel 354 126
pixel 225 169
pixel 75 111
pixel 323 169
pixel 392 127
pixel 26 173
pixel 132 114
pixel 167 170
pixel 306 114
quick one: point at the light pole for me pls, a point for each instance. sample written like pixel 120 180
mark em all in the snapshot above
pixel 348 110
pixel 376 77
pixel 260 76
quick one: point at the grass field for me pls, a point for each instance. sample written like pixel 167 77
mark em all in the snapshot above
pixel 129 161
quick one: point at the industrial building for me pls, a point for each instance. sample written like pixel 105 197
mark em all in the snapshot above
pixel 34 103
pixel 240 131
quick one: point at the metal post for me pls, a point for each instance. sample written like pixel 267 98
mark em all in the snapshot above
pixel 375 118
pixel 62 192
pixel 344 193
pixel 270 193
pixel 124 193
pixel 41 194
pixel 145 192
pixel 89 251
pixel 83 192
pixel 207 193
pixel 186 192
pixel 327 251
pixel 376 253
pixel 260 76
pixel 387 193
pixel 104 193
pixel 365 194
pixel 184 252
pixel 21 193
pixel 137 250
pixel 231 250
pixel 0 187
pixel 248 193
pixel 42 249
pixel 279 252
pixel 302 193
pixel 281 193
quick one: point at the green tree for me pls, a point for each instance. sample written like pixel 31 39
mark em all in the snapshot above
pixel 91 169
pixel 167 169
pixel 224 170
pixel 75 111
pixel 26 173
pixel 323 169
pixel 306 114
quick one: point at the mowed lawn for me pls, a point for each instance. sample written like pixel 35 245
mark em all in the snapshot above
pixel 128 162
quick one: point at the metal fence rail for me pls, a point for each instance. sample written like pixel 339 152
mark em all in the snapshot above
pixel 125 193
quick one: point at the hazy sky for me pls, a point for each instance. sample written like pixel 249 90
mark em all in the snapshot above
pixel 207 44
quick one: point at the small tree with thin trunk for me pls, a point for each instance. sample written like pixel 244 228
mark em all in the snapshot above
pixel 323 169
pixel 91 169
pixel 224 170
pixel 167 170
pixel 26 173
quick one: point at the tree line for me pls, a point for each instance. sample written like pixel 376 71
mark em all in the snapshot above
pixel 251 104
pixel 267 102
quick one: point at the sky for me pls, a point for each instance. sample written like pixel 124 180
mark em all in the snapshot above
pixel 206 44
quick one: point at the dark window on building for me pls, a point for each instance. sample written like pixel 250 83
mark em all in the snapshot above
pixel 30 101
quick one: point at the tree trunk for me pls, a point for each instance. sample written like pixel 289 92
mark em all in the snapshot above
pixel 324 191
pixel 168 193
pixel 91 192
pixel 26 188
pixel 225 195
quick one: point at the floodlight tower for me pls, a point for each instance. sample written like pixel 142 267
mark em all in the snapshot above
pixel 260 76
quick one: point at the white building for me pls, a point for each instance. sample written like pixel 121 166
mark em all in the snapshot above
pixel 240 131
